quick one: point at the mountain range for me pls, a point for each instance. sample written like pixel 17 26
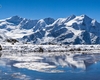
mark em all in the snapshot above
pixel 71 30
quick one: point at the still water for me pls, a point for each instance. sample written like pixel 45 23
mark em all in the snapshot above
pixel 49 66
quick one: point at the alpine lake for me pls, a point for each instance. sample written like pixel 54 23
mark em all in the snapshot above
pixel 49 66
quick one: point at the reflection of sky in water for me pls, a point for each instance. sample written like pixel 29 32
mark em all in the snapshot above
pixel 51 66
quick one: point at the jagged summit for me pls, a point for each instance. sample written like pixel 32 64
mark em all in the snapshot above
pixel 15 19
pixel 71 17
pixel 86 18
pixel 83 15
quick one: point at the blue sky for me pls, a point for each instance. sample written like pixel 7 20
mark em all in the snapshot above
pixel 37 9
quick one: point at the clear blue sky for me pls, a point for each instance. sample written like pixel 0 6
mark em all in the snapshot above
pixel 36 9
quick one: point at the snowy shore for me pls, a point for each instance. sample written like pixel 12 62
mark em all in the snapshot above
pixel 48 48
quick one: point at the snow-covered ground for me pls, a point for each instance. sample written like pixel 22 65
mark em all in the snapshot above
pixel 48 48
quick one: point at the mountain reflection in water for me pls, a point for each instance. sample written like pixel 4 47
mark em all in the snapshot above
pixel 50 66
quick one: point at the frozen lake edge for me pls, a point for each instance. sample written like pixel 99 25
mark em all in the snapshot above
pixel 49 48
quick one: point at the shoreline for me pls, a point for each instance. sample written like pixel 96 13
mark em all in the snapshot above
pixel 50 48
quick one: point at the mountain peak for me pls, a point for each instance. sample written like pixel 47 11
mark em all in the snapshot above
pixel 95 23
pixel 72 16
pixel 49 20
pixel 85 16
pixel 15 19
pixel 41 21
pixel 16 16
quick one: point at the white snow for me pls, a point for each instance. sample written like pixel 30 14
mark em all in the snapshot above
pixel 59 21
pixel 17 33
pixel 17 28
pixel 77 19
pixel 76 32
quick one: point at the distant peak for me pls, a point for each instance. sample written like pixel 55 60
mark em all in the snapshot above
pixel 49 20
pixel 94 22
pixel 15 19
pixel 70 18
pixel 72 15
pixel 15 16
pixel 41 20
pixel 85 16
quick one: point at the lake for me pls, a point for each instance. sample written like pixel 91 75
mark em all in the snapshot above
pixel 49 66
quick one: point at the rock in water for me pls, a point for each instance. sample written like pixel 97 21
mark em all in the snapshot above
pixel 0 48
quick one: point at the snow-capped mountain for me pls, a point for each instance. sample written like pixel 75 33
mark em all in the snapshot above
pixel 71 30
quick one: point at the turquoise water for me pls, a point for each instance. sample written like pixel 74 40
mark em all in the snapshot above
pixel 71 67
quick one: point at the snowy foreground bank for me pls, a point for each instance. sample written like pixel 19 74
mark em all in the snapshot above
pixel 48 48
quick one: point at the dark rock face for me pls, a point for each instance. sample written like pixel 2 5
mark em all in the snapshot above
pixel 49 20
pixel 39 50
pixel 0 48
pixel 11 40
pixel 0 54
